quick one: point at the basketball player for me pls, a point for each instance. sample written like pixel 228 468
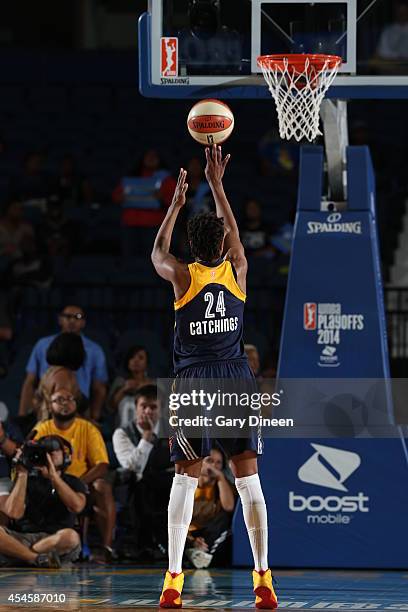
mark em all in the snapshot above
pixel 219 262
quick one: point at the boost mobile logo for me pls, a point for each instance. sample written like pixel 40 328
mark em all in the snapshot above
pixel 329 467
pixel 333 224
pixel 342 462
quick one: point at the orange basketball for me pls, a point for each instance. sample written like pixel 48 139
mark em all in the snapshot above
pixel 210 122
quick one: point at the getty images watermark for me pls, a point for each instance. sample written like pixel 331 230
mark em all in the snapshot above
pixel 230 409
pixel 291 408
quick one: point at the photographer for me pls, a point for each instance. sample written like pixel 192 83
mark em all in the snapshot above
pixel 10 439
pixel 90 460
pixel 42 507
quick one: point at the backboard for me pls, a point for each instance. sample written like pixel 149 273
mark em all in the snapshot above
pixel 197 48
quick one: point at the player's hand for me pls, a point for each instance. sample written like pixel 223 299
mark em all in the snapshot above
pixel 215 168
pixel 179 197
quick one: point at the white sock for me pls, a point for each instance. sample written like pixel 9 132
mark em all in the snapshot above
pixel 180 513
pixel 256 521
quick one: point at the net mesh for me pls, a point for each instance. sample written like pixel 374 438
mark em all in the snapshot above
pixel 298 88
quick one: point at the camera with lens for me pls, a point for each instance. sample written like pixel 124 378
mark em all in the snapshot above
pixel 34 452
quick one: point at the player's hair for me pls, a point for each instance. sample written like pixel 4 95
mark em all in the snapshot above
pixel 205 233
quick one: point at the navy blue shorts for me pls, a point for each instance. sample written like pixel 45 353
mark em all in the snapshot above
pixel 183 448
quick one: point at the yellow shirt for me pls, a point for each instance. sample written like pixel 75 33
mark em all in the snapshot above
pixel 88 447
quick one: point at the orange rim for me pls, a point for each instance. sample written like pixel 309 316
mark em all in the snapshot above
pixel 298 61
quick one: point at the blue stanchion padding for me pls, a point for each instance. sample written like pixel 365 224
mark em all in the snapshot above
pixel 335 501
pixel 352 516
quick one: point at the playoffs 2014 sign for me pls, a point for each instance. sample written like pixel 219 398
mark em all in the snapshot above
pixel 329 323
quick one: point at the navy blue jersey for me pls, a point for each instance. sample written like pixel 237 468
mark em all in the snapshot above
pixel 209 317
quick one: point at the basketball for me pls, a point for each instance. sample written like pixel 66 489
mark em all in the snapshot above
pixel 210 122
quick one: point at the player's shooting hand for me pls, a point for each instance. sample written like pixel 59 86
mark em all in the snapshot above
pixel 215 168
pixel 179 197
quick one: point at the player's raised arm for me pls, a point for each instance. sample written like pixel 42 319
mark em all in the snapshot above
pixel 165 263
pixel 214 172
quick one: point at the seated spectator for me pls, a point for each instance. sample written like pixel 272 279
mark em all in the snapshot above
pixel 54 379
pixel 254 361
pixel 67 350
pixel 32 267
pixel 92 376
pixel 10 439
pixel 71 187
pixel 90 461
pixel 6 329
pixel 42 507
pixel 57 234
pixel 33 182
pixel 142 214
pixel 255 235
pixel 140 448
pixel 122 393
pixel 264 379
pixel 14 231
pixel 212 514
pixel 278 158
pixel 198 199
pixel 393 44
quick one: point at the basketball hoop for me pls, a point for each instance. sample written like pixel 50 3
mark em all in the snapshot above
pixel 298 83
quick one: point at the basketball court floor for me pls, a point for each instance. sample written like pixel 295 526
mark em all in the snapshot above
pixel 129 588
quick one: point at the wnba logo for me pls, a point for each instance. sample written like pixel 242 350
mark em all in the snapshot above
pixel 310 315
pixel 169 56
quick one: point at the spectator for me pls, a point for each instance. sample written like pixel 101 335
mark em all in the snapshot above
pixel 199 195
pixel 213 506
pixel 140 449
pixel 14 231
pixel 71 187
pixel 264 378
pixel 10 439
pixel 6 328
pixel 198 199
pixel 54 379
pixel 43 505
pixel 33 182
pixel 144 203
pixel 393 44
pixel 57 234
pixel 254 361
pixel 92 376
pixel 89 459
pixel 255 235
pixel 278 159
pixel 121 395
pixel 67 350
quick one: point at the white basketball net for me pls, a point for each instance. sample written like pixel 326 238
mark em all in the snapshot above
pixel 298 93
